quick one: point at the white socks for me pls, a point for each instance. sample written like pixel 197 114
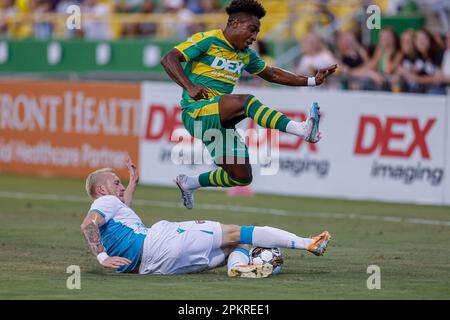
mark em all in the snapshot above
pixel 298 128
pixel 193 182
pixel 237 257
pixel 269 237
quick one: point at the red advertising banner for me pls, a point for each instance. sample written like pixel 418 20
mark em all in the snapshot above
pixel 66 128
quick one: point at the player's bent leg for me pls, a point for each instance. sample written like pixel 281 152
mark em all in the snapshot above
pixel 238 265
pixel 231 106
pixel 228 175
pixel 241 172
pixel 207 113
pixel 183 247
pixel 239 256
pixel 217 258
pixel 269 237
pixel 270 118
pixel 241 175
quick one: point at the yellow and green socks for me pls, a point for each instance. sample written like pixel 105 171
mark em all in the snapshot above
pixel 265 116
pixel 220 178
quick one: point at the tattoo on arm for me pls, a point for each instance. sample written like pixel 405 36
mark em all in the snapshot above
pixel 92 236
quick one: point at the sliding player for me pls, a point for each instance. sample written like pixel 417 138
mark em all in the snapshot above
pixel 119 239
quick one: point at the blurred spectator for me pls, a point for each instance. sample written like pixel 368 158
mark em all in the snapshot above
pixel 181 20
pixel 7 12
pixel 148 28
pixel 203 6
pixel 427 71
pixel 325 17
pixel 172 6
pixel 130 29
pixel 354 64
pixel 208 6
pixel 446 60
pixel 95 23
pixel 407 61
pixel 41 30
pixel 127 6
pixel 315 55
pixel 446 65
pixel 386 57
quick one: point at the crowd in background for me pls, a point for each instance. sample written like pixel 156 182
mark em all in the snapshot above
pixel 413 61
pixel 100 10
pixel 416 61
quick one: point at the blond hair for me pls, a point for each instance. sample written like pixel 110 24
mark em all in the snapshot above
pixel 93 179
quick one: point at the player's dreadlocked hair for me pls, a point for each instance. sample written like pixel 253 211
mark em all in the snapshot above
pixel 252 7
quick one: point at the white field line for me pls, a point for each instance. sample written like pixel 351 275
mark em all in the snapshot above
pixel 232 208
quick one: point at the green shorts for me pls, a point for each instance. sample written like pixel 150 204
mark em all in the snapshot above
pixel 202 120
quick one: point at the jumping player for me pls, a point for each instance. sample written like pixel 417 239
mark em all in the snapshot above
pixel 118 238
pixel 215 61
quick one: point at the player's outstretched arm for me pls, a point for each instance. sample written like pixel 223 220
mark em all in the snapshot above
pixel 284 77
pixel 91 233
pixel 133 181
pixel 172 64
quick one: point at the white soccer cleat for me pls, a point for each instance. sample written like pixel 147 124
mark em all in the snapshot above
pixel 313 120
pixel 319 246
pixel 187 196
pixel 251 271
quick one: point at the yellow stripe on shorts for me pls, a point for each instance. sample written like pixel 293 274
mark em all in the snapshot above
pixel 207 110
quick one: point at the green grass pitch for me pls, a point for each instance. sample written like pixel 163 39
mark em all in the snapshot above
pixel 40 238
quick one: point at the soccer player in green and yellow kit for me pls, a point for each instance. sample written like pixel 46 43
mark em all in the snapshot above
pixel 215 61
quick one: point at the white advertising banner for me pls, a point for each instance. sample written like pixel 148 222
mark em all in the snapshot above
pixel 447 141
pixel 375 146
pixel 161 122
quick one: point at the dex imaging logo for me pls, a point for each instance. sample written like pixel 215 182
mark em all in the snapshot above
pixel 401 148
pixel 407 133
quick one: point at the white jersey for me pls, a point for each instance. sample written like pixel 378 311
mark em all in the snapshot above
pixel 123 233
pixel 182 247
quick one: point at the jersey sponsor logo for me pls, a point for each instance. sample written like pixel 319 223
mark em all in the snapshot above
pixel 393 136
pixel 227 65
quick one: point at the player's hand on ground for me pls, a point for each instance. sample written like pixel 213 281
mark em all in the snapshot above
pixel 197 92
pixel 132 170
pixel 322 74
pixel 115 262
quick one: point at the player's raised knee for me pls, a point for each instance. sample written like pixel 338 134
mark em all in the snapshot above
pixel 245 98
pixel 243 179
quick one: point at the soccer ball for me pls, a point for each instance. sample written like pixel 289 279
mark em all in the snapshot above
pixel 273 256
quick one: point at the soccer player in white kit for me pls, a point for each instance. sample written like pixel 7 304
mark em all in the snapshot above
pixel 119 239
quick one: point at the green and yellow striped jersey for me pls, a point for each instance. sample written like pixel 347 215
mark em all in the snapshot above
pixel 215 64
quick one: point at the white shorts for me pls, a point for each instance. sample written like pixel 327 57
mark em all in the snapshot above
pixel 182 247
